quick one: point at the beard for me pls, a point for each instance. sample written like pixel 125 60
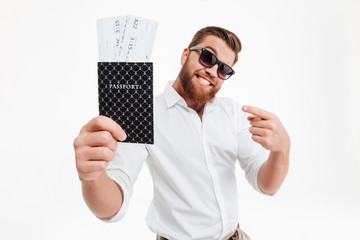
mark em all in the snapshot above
pixel 195 93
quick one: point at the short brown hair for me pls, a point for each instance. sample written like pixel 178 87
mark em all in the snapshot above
pixel 230 38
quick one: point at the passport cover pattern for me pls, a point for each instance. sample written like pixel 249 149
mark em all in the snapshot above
pixel 126 96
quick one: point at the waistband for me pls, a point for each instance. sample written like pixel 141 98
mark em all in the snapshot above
pixel 234 235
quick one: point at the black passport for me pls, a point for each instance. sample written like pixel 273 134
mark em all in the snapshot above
pixel 126 96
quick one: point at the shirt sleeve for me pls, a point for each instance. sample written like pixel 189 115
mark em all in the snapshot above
pixel 251 155
pixel 124 170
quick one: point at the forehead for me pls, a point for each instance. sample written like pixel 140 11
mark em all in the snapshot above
pixel 219 47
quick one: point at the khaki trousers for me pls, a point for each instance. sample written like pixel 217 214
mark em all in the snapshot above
pixel 237 234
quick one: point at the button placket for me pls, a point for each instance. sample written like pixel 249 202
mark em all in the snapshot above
pixel 211 169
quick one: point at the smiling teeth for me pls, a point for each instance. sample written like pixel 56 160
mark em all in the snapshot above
pixel 204 81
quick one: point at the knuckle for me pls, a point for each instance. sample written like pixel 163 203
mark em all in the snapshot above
pixel 77 142
pixel 271 126
pixel 266 141
pixel 114 146
pixel 257 139
pixel 103 166
pixel 79 156
pixel 99 121
pixel 79 166
pixel 97 166
pixel 105 137
pixel 267 132
pixel 106 154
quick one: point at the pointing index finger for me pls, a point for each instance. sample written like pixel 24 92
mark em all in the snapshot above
pixel 257 112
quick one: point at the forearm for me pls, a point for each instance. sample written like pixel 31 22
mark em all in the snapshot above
pixel 273 172
pixel 103 196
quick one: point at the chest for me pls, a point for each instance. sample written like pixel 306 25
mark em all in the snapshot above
pixel 180 134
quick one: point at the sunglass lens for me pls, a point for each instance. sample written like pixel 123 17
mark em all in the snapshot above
pixel 207 59
pixel 224 71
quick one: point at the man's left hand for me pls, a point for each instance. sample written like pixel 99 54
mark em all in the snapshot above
pixel 267 130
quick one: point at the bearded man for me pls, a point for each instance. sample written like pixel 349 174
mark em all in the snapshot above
pixel 199 138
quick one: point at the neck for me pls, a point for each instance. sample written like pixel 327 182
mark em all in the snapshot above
pixel 197 107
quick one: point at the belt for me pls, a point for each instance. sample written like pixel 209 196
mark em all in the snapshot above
pixel 232 236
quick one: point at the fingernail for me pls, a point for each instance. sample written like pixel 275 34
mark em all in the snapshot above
pixel 122 136
pixel 245 108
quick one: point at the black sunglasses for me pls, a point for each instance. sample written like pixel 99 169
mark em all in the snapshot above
pixel 208 59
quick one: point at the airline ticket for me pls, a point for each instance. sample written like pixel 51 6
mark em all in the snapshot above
pixel 125 39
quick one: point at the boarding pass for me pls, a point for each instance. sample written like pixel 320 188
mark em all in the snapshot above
pixel 125 39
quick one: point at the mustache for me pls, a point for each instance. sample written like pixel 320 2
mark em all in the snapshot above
pixel 206 75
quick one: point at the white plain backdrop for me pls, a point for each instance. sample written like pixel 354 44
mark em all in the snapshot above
pixel 300 60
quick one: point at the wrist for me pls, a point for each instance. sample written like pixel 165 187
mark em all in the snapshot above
pixel 281 155
pixel 284 150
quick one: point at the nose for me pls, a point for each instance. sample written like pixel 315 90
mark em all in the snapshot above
pixel 212 71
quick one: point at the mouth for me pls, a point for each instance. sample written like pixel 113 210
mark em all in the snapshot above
pixel 203 81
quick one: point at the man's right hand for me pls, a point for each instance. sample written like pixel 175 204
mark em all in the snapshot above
pixel 95 146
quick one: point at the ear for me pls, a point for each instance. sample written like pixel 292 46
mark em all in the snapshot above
pixel 184 56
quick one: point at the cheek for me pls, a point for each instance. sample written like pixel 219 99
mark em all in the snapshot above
pixel 183 60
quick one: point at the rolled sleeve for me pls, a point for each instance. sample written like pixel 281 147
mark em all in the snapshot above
pixel 251 161
pixel 251 155
pixel 124 170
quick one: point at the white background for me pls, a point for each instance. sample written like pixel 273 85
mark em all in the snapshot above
pixel 300 60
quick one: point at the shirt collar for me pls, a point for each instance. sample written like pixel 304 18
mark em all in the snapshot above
pixel 172 97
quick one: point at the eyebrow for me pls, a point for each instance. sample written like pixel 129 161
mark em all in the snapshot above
pixel 211 48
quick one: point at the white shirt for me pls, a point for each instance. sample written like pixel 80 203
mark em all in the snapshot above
pixel 192 164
